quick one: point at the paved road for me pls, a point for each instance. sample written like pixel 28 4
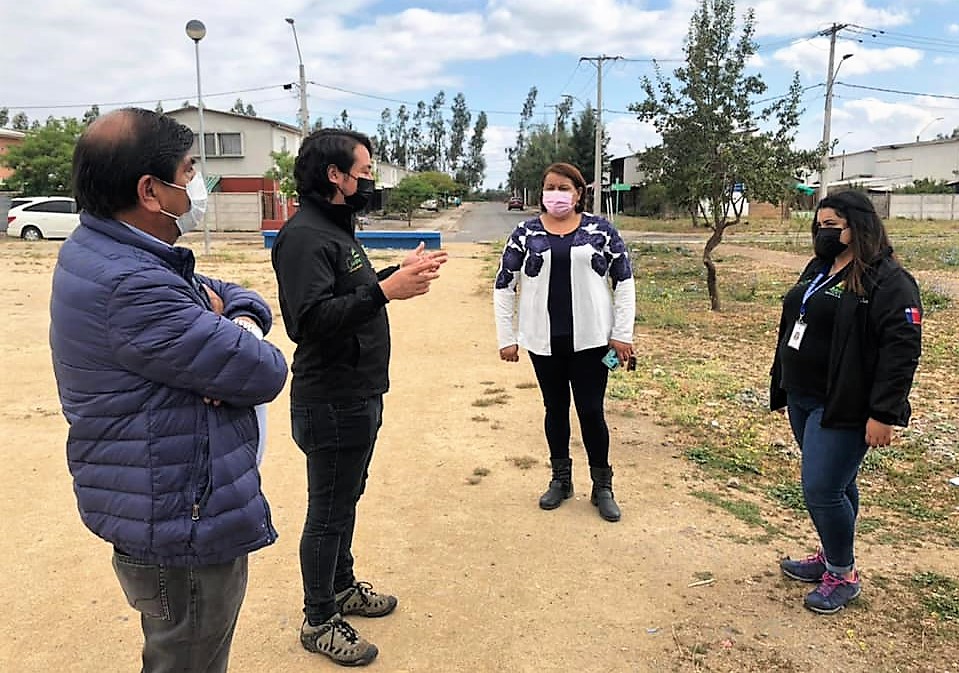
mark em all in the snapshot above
pixel 485 222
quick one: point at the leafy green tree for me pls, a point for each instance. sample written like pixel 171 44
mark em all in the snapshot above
pixel 714 136
pixel 4 117
pixel 42 163
pixel 240 108
pixel 474 167
pixel 159 107
pixel 927 186
pixel 318 124
pixel 459 126
pixel 383 145
pixel 282 172
pixel 409 194
pixel 91 115
pixel 20 122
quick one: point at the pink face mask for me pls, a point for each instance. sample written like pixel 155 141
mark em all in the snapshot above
pixel 557 203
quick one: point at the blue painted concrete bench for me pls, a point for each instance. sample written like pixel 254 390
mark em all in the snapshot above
pixel 382 239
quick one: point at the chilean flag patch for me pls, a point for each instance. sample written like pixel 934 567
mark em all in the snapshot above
pixel 913 316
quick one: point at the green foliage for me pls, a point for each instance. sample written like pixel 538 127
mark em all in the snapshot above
pixel 927 186
pixel 939 595
pixel 714 135
pixel 409 194
pixel 4 117
pixel 241 109
pixel 42 163
pixel 282 172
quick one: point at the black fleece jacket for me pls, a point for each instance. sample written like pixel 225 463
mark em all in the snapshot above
pixel 874 352
pixel 332 306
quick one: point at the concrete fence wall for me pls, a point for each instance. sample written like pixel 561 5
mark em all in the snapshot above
pixel 234 211
pixel 924 206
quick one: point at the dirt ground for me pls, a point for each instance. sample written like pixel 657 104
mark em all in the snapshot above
pixel 486 580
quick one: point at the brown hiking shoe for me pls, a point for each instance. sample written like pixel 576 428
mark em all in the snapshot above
pixel 339 641
pixel 360 599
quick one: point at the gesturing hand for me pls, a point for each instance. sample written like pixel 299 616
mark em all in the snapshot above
pixel 411 280
pixel 438 256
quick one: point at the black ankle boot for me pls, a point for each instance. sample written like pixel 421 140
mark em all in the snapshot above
pixel 561 487
pixel 602 495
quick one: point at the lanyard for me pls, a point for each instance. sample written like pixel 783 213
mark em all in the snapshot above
pixel 812 289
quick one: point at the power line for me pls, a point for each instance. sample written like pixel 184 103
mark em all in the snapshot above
pixel 897 91
pixel 62 106
pixel 398 100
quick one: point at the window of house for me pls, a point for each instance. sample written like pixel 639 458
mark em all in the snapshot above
pixel 221 145
pixel 231 144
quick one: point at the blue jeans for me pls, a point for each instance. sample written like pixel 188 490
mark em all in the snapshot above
pixel 338 440
pixel 188 614
pixel 830 464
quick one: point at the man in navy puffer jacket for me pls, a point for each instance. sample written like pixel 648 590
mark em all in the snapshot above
pixel 158 370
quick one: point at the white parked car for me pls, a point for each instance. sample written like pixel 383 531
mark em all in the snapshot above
pixel 37 217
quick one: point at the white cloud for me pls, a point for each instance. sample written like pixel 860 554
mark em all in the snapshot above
pixel 954 28
pixel 862 123
pixel 811 57
pixel 778 17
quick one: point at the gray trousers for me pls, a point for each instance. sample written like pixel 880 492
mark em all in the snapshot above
pixel 188 614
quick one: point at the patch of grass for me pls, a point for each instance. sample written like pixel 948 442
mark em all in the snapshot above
pixel 522 462
pixel 495 425
pixel 479 418
pixel 494 391
pixel 487 383
pixel 939 595
pixel 788 494
pixel 473 481
pixel 747 512
pixel 526 385
pixel 490 401
pixel 933 298
pixel 480 471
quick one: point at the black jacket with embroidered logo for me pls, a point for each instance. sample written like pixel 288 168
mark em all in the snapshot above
pixel 332 306
pixel 874 352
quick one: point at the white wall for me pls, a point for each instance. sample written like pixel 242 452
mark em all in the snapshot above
pixel 924 206
pixel 234 211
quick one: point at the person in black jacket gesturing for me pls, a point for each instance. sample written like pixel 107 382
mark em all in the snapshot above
pixel 848 347
pixel 334 309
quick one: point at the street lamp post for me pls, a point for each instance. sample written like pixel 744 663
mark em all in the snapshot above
pixel 303 114
pixel 196 31
pixel 937 119
pixel 827 118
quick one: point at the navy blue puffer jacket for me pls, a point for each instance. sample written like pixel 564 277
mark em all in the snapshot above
pixel 164 476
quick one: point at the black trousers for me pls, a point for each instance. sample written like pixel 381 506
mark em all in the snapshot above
pixel 584 373
pixel 188 614
pixel 338 440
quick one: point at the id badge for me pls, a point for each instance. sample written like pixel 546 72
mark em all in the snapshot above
pixel 795 339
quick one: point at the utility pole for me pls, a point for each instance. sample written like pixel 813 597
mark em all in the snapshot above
pixel 827 116
pixel 303 114
pixel 598 159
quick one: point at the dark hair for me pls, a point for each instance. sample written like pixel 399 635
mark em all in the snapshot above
pixel 569 171
pixel 120 148
pixel 321 149
pixel 869 240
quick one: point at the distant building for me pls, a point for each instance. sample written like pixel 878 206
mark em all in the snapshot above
pixel 8 139
pixel 887 167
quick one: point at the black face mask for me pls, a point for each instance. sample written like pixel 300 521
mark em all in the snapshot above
pixel 827 244
pixel 361 197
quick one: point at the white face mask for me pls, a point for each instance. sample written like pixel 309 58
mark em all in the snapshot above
pixel 195 191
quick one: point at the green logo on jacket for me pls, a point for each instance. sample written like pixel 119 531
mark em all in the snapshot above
pixel 355 262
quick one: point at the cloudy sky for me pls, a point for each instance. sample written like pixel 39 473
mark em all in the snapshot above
pixel 61 57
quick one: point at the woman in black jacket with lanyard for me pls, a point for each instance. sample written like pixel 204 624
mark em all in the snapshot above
pixel 849 343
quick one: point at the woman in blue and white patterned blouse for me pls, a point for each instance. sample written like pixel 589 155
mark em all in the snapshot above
pixel 565 278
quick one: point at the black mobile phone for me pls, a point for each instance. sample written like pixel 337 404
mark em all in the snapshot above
pixel 631 364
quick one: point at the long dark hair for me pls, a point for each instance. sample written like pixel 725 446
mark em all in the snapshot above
pixel 569 171
pixel 321 149
pixel 869 240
